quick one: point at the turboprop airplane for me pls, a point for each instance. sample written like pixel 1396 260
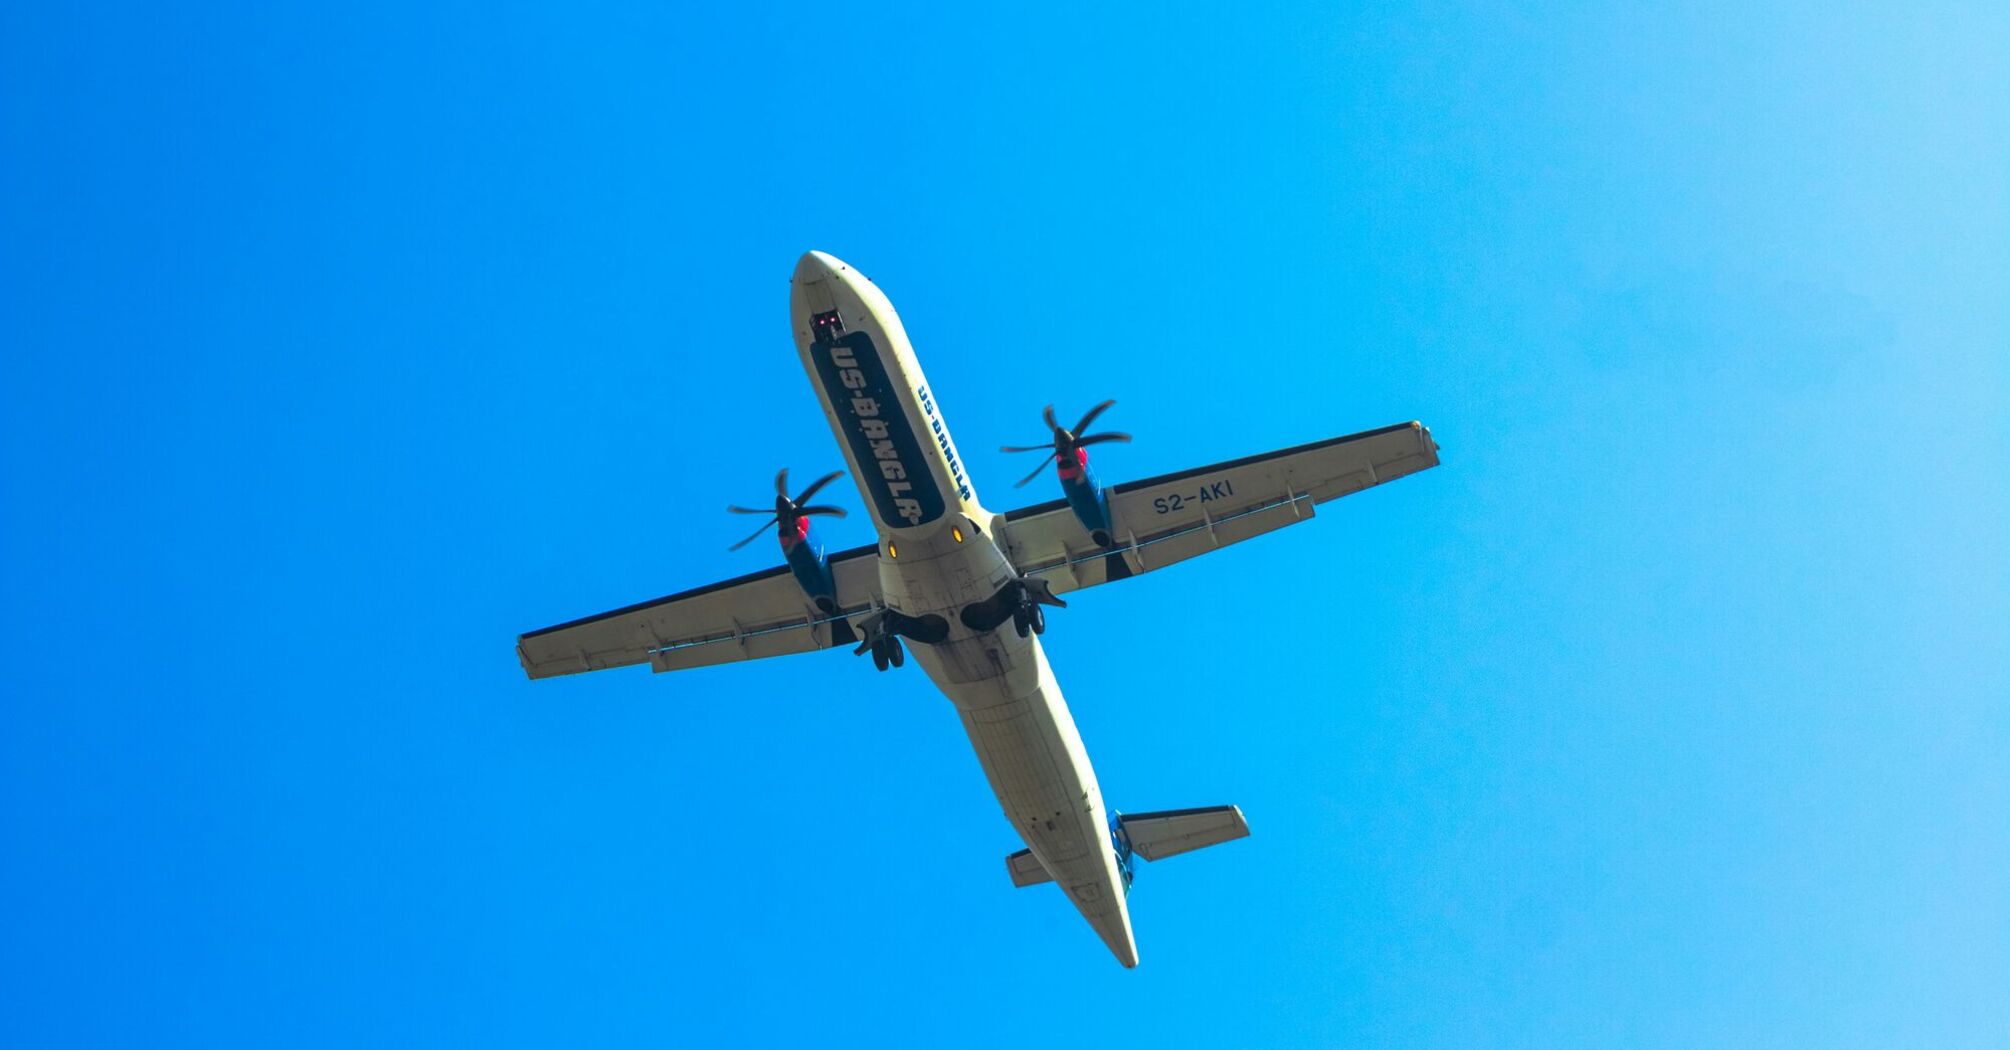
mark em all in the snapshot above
pixel 968 588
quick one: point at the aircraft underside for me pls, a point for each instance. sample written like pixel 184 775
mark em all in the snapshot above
pixel 965 592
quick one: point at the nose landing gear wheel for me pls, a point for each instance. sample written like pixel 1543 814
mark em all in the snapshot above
pixel 879 657
pixel 896 652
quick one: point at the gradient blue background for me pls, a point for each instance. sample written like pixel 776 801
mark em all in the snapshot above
pixel 339 346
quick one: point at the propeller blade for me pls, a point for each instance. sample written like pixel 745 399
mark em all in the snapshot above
pixel 1097 439
pixel 1026 448
pixel 817 484
pixel 758 533
pixel 835 512
pixel 1036 472
pixel 1091 415
pixel 737 509
pixel 1048 415
pixel 782 483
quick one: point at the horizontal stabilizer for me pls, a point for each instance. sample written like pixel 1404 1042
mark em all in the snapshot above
pixel 1025 869
pixel 1155 836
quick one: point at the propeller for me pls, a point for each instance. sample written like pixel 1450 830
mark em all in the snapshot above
pixel 1066 441
pixel 786 512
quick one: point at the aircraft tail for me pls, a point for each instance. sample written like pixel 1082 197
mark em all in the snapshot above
pixel 1153 836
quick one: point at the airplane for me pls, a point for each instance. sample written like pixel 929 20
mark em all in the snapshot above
pixel 966 590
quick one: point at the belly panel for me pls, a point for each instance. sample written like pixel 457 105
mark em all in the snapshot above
pixel 1032 755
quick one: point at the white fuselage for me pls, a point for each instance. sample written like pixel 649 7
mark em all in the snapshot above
pixel 938 555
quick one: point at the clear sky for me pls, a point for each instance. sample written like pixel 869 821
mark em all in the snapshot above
pixel 340 345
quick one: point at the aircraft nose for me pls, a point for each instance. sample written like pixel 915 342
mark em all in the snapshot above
pixel 818 266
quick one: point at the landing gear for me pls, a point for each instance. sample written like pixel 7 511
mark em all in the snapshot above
pixel 1029 618
pixel 888 652
pixel 883 629
pixel 1018 600
pixel 885 645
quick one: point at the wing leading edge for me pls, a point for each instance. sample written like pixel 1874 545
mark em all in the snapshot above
pixel 1173 517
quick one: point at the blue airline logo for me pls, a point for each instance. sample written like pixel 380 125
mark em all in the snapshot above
pixel 891 463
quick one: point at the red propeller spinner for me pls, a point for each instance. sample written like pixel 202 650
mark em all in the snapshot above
pixel 1067 444
pixel 789 514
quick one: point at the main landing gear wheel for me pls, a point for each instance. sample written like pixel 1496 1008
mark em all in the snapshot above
pixel 888 652
pixel 1029 618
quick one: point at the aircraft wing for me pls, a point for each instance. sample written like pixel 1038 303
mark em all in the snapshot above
pixel 760 614
pixel 1177 516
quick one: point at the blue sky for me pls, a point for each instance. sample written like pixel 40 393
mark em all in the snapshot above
pixel 338 347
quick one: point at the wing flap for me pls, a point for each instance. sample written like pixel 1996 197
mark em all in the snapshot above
pixel 804 634
pixel 1173 517
pixel 758 615
pixel 1193 539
